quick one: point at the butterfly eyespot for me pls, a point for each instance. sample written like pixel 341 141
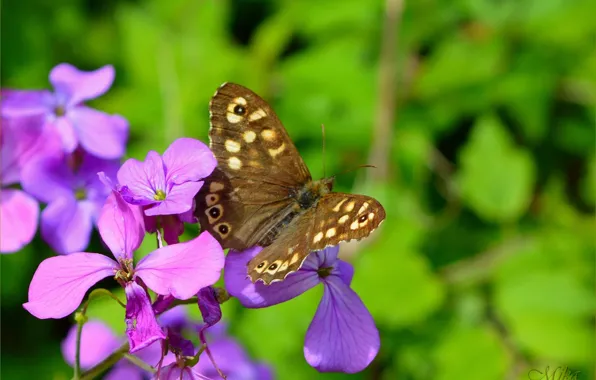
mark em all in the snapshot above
pixel 272 266
pixel 223 229
pixel 239 110
pixel 362 218
pixel 261 265
pixel 214 212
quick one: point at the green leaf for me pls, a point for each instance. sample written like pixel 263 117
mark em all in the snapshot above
pixel 470 353
pixel 389 274
pixel 548 308
pixel 496 178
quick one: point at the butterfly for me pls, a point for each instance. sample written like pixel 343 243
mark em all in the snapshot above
pixel 261 192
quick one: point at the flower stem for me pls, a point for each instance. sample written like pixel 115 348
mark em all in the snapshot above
pixel 106 363
pixel 139 363
pixel 80 318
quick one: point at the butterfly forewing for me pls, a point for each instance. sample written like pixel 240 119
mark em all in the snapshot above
pixel 258 164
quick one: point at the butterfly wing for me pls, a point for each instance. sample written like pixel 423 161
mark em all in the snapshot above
pixel 259 170
pixel 338 217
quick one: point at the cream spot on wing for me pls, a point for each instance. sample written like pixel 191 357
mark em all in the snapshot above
pixel 236 101
pixel 350 206
pixel 294 258
pixel 290 250
pixel 232 146
pixel 338 205
pixel 233 118
pixel 330 233
pixel 354 225
pixel 371 215
pixel 215 187
pixel 249 136
pixel 275 152
pixel 363 224
pixel 268 134
pixel 364 207
pixel 261 267
pixel 234 163
pixel 273 267
pixel 284 266
pixel 211 199
pixel 344 219
pixel 258 114
pixel 317 237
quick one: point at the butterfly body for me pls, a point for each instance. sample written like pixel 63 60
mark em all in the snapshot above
pixel 262 193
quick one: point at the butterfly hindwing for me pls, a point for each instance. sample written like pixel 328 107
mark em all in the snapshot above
pixel 344 217
pixel 337 217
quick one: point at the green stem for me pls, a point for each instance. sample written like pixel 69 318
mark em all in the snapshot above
pixel 106 363
pixel 139 363
pixel 77 366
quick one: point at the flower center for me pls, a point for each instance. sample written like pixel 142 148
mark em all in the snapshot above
pixel 60 111
pixel 324 272
pixel 80 194
pixel 160 195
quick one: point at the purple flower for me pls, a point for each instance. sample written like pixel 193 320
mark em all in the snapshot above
pixel 21 141
pixel 69 184
pixel 342 336
pixel 166 185
pixel 98 341
pixel 232 360
pixel 63 110
pixel 60 283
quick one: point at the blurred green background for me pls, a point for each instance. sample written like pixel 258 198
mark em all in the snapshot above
pixel 479 116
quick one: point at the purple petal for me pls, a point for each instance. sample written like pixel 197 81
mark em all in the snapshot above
pixel 261 295
pixel 263 371
pixel 209 306
pixel 161 305
pixel 345 271
pixel 172 228
pixel 100 134
pixel 26 103
pixel 97 342
pixel 60 283
pixel 119 228
pixel 18 218
pixel 183 269
pixel 179 345
pixel 143 179
pixel 23 139
pixel 188 159
pixel 66 224
pixel 79 85
pixel 188 216
pixel 125 370
pixel 342 337
pixel 88 171
pixel 66 130
pixel 142 328
pixel 173 372
pixel 178 200
pixel 230 358
pixel 48 178
pixel 325 258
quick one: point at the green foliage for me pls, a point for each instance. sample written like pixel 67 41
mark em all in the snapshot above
pixel 484 268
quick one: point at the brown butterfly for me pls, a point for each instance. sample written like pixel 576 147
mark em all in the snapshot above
pixel 261 192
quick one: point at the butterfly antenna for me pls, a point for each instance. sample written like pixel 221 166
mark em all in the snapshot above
pixel 323 133
pixel 356 168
